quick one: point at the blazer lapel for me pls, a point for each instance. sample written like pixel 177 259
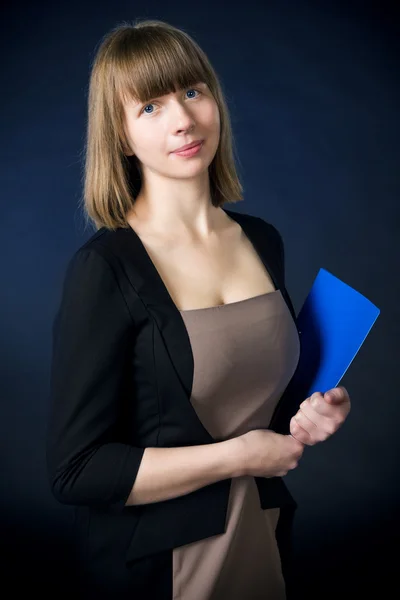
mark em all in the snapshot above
pixel 149 285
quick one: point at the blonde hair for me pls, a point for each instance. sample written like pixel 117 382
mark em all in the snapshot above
pixel 141 61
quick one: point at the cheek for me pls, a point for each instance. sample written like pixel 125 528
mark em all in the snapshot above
pixel 208 116
pixel 147 140
pixel 216 119
pixel 212 128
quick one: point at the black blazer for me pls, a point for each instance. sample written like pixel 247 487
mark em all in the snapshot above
pixel 121 378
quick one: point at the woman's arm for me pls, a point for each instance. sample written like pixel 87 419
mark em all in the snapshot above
pixel 170 472
pixel 92 333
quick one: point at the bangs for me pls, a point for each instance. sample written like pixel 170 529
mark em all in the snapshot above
pixel 154 63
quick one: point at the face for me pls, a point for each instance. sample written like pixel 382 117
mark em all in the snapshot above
pixel 158 127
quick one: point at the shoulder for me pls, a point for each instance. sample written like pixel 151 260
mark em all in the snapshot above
pixel 102 241
pixel 101 248
pixel 94 263
pixel 93 278
pixel 250 219
pixel 275 235
pixel 260 225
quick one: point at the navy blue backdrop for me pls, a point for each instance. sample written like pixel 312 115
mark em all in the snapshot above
pixel 313 89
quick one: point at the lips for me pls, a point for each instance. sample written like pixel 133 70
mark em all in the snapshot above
pixel 191 145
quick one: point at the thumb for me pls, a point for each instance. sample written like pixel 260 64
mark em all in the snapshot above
pixel 332 396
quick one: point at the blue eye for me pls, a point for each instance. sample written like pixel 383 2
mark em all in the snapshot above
pixel 146 107
pixel 151 103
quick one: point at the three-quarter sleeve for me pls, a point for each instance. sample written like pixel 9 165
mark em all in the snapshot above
pixel 87 463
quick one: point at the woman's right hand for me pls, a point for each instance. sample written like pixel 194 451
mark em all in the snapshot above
pixel 269 454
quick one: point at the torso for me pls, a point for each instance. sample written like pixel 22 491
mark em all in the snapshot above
pixel 200 275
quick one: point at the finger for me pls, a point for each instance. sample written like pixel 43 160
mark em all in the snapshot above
pixel 300 434
pixel 316 429
pixel 316 400
pixel 308 421
pixel 327 419
pixel 318 426
pixel 336 395
pixel 316 405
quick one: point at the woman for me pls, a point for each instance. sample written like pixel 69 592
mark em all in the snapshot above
pixel 173 343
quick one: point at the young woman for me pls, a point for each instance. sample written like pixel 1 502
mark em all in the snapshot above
pixel 173 344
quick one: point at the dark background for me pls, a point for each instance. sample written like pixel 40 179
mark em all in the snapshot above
pixel 313 90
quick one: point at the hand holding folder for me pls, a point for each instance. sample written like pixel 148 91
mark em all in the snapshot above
pixel 333 323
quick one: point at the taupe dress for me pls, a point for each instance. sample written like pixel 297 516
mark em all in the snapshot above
pixel 245 353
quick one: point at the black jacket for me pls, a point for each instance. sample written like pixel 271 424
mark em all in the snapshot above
pixel 121 377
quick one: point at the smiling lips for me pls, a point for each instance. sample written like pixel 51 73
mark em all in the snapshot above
pixel 191 151
pixel 189 146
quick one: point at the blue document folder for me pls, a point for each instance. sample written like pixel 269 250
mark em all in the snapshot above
pixel 333 323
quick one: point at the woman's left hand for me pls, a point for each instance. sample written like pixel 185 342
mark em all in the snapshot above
pixel 320 416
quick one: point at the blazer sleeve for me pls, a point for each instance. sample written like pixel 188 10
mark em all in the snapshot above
pixel 86 462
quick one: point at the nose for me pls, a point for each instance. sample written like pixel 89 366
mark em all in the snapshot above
pixel 183 119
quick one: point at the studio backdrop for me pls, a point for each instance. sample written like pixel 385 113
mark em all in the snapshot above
pixel 313 94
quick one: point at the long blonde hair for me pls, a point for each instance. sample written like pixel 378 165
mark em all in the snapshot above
pixel 143 60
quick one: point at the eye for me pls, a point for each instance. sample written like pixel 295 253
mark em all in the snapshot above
pixel 142 111
pixel 152 104
pixel 194 90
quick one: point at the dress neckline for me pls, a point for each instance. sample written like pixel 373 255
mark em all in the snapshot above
pixel 247 230
pixel 219 306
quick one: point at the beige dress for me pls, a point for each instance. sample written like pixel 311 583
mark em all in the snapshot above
pixel 244 353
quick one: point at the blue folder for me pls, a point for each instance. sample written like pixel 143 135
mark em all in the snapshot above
pixel 333 323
